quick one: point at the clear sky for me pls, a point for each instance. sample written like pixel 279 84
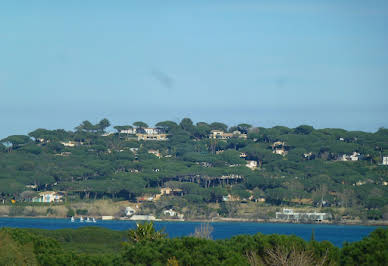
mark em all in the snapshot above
pixel 323 63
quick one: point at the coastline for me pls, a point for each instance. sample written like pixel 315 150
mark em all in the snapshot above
pixel 223 220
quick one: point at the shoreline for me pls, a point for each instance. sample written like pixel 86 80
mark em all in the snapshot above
pixel 221 220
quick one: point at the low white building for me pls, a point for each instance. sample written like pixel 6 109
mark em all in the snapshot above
pixel 170 212
pixel 129 211
pixel 385 160
pixel 290 215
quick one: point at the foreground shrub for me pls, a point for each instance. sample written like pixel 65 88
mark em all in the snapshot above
pixel 372 250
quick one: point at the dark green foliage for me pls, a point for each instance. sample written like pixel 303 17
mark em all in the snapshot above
pixel 372 250
pixel 98 246
pixel 304 130
pixel 81 212
pixel 70 212
pixel 234 251
pixel 145 232
pixel 140 124
pixel 91 240
pixel 97 166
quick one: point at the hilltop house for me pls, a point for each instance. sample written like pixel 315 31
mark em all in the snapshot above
pixel 141 136
pixel 148 133
pixel 280 148
pixel 354 157
pixel 128 131
pixel 219 134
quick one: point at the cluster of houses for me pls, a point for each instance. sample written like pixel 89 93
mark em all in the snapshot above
pixel 159 134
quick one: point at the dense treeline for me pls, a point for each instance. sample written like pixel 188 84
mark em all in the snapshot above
pixel 88 163
pixel 38 247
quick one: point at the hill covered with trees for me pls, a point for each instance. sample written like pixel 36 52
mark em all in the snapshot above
pixel 201 164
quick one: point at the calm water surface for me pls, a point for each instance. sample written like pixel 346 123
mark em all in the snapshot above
pixel 337 234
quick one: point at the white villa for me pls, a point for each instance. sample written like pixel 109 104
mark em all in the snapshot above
pixel 48 197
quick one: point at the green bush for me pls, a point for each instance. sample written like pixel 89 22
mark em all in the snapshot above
pixel 81 211
pixel 70 212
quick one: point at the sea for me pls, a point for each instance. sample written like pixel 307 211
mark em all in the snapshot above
pixel 337 234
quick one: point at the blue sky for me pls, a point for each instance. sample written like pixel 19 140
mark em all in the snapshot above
pixel 323 63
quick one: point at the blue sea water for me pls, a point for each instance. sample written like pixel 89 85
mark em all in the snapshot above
pixel 337 234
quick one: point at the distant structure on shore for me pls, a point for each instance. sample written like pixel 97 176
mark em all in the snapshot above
pixel 290 215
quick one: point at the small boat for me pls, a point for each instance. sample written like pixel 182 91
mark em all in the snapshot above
pixel 94 220
pixel 81 220
pixel 88 220
pixel 72 219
